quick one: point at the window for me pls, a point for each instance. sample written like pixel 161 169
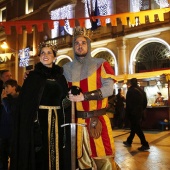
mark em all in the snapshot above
pixel 28 6
pixel 142 5
pixel 152 56
pixel 3 14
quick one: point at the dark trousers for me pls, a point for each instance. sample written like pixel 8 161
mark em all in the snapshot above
pixel 136 129
pixel 4 153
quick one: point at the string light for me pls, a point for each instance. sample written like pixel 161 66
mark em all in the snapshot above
pixel 162 3
pixel 136 5
pixel 24 56
pixel 103 7
pixel 65 12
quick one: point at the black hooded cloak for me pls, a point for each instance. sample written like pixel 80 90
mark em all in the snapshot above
pixel 43 86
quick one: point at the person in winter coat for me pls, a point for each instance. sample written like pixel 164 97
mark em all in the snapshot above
pixel 136 103
pixel 9 97
pixel 39 142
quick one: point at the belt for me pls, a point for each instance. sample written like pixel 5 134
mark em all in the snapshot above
pixel 89 114
pixel 50 108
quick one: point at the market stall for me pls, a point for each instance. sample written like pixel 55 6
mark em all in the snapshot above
pixel 152 83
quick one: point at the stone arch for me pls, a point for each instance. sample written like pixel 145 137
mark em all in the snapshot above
pixel 63 59
pixel 98 50
pixel 138 47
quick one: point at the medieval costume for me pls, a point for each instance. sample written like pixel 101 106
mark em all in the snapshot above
pixel 95 78
pixel 39 142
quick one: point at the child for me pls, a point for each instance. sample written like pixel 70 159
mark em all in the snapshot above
pixel 8 106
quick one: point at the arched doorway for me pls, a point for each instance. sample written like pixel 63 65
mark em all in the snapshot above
pixel 108 55
pixel 62 59
pixel 152 56
pixel 144 45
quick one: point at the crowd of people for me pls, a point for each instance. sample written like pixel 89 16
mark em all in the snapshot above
pixel 31 117
pixel 9 94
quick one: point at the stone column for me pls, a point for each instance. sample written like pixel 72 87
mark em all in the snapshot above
pixel 122 58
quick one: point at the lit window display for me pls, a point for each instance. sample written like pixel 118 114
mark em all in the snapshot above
pixel 105 7
pixel 65 12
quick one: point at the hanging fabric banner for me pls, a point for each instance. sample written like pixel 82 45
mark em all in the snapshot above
pixel 81 22
pixel 62 23
pixel 19 29
pixel 51 25
pixel 113 18
pixel 113 21
pixel 7 28
pixel 40 27
pixel 72 23
pixel 29 29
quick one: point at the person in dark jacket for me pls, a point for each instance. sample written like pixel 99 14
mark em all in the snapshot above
pixel 4 76
pixel 9 102
pixel 119 109
pixel 39 142
pixel 136 103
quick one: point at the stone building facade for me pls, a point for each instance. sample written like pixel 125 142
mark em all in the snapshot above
pixel 129 48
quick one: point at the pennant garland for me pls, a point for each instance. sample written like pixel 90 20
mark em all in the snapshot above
pixel 113 18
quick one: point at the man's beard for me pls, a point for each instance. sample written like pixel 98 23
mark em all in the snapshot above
pixel 81 55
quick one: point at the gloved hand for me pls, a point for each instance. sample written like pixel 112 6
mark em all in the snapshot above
pixel 75 90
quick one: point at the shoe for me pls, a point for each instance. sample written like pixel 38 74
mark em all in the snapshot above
pixel 143 148
pixel 126 144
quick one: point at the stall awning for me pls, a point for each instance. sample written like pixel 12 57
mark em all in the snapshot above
pixel 144 75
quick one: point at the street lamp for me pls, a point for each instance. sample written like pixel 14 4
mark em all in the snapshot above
pixel 4 45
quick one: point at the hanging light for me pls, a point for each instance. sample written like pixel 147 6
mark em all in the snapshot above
pixel 24 55
pixel 4 45
pixel 162 3
pixel 136 5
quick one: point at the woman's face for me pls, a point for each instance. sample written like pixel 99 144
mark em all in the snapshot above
pixel 47 56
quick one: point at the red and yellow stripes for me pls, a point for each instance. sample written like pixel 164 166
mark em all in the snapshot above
pixel 101 147
pixel 93 82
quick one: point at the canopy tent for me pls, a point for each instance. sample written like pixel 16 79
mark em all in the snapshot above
pixel 144 75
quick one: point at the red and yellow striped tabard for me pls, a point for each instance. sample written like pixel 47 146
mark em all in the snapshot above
pixel 104 145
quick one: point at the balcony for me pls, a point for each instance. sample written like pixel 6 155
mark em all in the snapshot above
pixel 115 31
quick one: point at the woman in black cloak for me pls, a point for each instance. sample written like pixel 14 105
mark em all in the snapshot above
pixel 39 141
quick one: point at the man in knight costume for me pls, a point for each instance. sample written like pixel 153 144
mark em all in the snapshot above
pixel 95 78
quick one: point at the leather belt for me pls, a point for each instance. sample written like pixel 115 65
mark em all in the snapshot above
pixel 89 114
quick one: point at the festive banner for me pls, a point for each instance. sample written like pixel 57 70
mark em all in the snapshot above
pixel 6 56
pixel 124 17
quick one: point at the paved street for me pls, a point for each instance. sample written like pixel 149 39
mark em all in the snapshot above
pixel 157 158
